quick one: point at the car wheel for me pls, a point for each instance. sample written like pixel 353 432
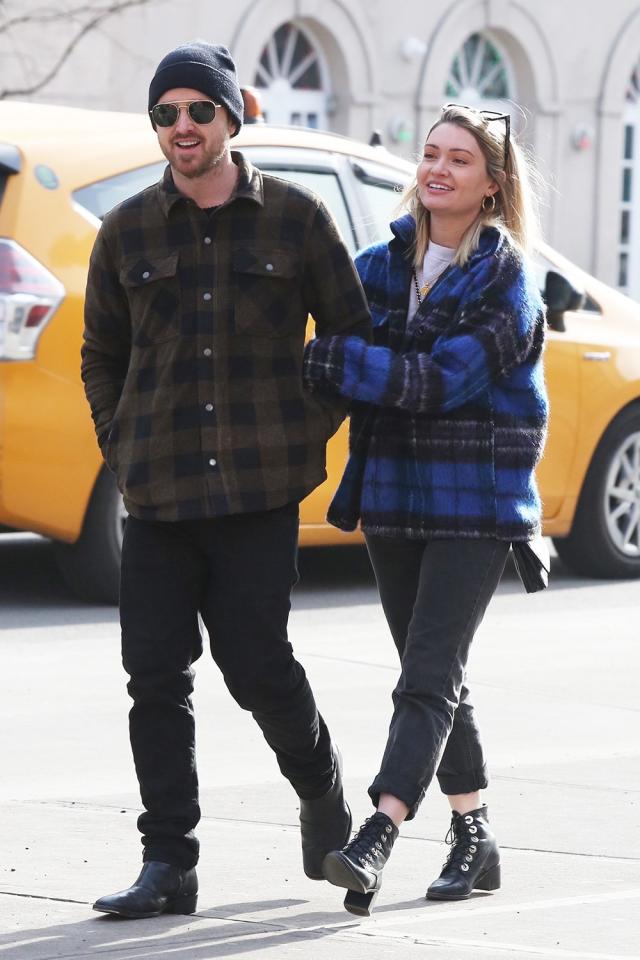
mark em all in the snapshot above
pixel 605 537
pixel 91 565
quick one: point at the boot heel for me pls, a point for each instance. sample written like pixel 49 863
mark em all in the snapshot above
pixel 186 904
pixel 489 880
pixel 360 903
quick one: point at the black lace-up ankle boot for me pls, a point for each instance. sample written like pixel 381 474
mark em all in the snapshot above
pixel 358 866
pixel 474 859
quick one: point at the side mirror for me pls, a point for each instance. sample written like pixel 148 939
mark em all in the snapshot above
pixel 560 295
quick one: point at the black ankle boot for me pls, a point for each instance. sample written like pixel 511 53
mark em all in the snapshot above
pixel 160 888
pixel 474 859
pixel 325 823
pixel 358 866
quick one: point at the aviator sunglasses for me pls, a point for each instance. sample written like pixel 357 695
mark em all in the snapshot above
pixel 488 116
pixel 200 111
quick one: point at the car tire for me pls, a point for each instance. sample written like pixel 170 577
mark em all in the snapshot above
pixel 609 507
pixel 91 565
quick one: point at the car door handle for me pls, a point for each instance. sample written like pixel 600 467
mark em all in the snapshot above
pixel 597 355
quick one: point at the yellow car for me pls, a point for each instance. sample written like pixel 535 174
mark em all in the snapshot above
pixel 62 169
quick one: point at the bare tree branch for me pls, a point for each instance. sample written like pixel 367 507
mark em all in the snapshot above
pixel 46 15
pixel 97 13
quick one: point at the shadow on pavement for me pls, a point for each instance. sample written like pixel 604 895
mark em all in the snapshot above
pixel 228 937
pixel 339 573
pixel 32 588
pixel 32 591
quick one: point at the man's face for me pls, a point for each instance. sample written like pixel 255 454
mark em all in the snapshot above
pixel 194 149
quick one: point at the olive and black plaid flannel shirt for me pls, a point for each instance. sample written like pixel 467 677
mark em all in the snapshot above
pixel 194 335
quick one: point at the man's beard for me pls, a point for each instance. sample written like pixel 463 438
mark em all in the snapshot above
pixel 210 161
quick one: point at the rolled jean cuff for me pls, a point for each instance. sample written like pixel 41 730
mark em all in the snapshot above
pixel 468 782
pixel 408 793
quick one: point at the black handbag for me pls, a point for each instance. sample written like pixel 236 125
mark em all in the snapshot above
pixel 533 563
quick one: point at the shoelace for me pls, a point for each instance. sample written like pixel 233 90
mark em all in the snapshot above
pixel 463 843
pixel 368 841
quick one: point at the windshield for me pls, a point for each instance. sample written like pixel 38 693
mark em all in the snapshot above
pixel 10 162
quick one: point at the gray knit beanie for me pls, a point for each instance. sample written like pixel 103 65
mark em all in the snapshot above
pixel 202 66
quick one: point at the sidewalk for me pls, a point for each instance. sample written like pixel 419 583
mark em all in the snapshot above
pixel 565 803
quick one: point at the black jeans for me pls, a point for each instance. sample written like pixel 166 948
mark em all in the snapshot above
pixel 237 572
pixel 434 594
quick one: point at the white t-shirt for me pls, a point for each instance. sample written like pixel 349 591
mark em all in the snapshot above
pixel 436 260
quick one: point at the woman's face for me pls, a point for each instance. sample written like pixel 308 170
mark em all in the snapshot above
pixel 452 175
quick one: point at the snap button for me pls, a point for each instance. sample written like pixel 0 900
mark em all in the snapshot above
pixel 207 351
pixel 208 407
pixel 206 296
pixel 207 240
pixel 212 462
pixel 146 275
pixel 269 267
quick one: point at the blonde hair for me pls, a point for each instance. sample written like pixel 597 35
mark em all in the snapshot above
pixel 515 201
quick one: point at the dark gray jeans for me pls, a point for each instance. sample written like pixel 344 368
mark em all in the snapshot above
pixel 237 572
pixel 434 594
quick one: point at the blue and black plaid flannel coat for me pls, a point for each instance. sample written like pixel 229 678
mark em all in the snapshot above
pixel 449 415
pixel 193 345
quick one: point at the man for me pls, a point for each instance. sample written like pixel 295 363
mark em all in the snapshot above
pixel 198 294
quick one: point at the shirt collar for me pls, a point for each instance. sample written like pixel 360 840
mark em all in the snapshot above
pixel 248 187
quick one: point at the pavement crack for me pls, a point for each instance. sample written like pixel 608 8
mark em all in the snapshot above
pixel 564 783
pixel 41 896
pixel 294 825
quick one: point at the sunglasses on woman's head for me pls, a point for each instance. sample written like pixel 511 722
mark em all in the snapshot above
pixel 200 111
pixel 489 115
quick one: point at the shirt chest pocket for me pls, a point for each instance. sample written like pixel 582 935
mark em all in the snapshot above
pixel 267 293
pixel 153 290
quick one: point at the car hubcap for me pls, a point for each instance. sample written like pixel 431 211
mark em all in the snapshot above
pixel 622 497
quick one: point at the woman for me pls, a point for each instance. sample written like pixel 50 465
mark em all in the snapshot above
pixel 448 421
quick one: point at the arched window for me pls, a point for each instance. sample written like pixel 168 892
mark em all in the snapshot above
pixel 629 228
pixel 480 74
pixel 292 79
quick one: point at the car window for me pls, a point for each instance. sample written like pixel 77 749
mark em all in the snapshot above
pixel 542 265
pixel 382 192
pixel 326 184
pixel 100 197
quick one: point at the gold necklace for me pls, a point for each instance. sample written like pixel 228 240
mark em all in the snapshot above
pixel 421 291
pixel 424 290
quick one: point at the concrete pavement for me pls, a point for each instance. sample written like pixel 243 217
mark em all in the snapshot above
pixel 555 681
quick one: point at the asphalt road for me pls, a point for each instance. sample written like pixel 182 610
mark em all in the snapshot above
pixel 555 682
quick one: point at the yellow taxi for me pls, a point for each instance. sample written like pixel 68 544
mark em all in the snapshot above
pixel 62 169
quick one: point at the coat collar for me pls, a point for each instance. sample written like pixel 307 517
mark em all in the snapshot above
pixel 492 239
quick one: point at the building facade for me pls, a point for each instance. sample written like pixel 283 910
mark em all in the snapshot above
pixel 568 73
